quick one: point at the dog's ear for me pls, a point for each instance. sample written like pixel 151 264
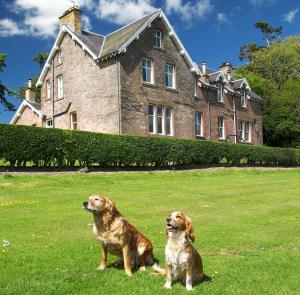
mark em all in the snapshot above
pixel 189 232
pixel 112 208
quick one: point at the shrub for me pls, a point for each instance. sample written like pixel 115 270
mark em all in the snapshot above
pixel 45 147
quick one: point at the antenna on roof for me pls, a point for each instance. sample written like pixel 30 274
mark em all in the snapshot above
pixel 74 2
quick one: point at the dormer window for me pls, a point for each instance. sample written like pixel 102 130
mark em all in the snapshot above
pixel 244 99
pixel 220 92
pixel 157 38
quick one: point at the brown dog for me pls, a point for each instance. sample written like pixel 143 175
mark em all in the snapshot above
pixel 118 237
pixel 183 262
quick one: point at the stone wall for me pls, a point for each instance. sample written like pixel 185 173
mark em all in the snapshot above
pixel 90 89
pixel 28 117
pixel 136 95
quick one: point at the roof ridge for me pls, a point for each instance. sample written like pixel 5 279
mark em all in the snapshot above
pixel 132 22
pixel 93 33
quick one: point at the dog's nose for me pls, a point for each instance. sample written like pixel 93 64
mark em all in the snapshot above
pixel 168 219
pixel 85 203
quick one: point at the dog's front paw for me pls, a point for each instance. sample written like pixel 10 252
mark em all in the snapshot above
pixel 142 268
pixel 189 288
pixel 101 267
pixel 128 273
pixel 168 285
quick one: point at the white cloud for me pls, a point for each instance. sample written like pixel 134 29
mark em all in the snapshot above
pixel 289 17
pixel 8 28
pixel 189 10
pixel 40 18
pixel 222 18
pixel 123 11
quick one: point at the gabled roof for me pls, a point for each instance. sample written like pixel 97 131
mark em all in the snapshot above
pixel 114 41
pixel 103 47
pixel 237 84
pixel 215 77
pixel 34 106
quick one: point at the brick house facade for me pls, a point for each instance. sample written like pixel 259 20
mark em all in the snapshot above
pixel 138 80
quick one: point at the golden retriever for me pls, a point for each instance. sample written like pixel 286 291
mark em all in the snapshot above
pixel 117 236
pixel 183 262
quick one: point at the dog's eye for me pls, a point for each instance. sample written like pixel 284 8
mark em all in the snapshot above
pixel 96 199
pixel 177 216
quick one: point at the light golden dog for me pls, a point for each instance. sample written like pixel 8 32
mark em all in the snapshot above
pixel 183 262
pixel 117 236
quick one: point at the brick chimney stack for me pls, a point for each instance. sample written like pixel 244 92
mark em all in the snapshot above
pixel 227 69
pixel 30 92
pixel 72 18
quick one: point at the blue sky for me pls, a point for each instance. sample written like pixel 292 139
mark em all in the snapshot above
pixel 211 30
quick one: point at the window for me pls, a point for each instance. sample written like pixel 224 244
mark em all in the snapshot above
pixel 169 123
pixel 60 87
pixel 241 128
pixel 159 127
pixel 157 38
pixel 243 99
pixel 74 121
pixel 221 128
pixel 248 127
pixel 151 118
pixel 48 89
pixel 147 70
pixel 220 92
pixel 198 123
pixel 59 57
pixel 244 131
pixel 49 123
pixel 170 76
pixel 160 120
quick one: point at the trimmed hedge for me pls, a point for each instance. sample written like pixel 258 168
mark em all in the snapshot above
pixel 47 147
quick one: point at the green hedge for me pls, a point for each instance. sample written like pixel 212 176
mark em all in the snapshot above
pixel 44 147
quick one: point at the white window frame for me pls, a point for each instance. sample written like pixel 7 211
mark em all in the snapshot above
pixel 220 91
pixel 60 86
pixel 221 127
pixel 171 121
pixel 173 74
pixel 49 123
pixel 200 124
pixel 153 116
pixel 59 57
pixel 245 134
pixel 248 138
pixel 72 121
pixel 48 89
pixel 145 67
pixel 157 37
pixel 162 120
pixel 244 99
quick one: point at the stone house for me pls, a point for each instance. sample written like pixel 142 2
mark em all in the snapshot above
pixel 138 80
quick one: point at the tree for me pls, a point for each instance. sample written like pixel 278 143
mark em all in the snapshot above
pixel 270 33
pixel 247 50
pixel 40 58
pixel 4 90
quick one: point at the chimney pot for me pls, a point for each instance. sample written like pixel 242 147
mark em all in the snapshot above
pixel 203 67
pixel 30 91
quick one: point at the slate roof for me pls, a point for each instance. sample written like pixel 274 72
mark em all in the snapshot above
pixel 36 105
pixel 92 40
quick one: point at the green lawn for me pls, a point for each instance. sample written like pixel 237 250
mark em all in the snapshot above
pixel 247 226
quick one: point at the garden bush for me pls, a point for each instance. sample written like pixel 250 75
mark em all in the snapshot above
pixel 56 147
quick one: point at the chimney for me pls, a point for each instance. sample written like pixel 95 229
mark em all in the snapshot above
pixel 203 67
pixel 30 92
pixel 72 18
pixel 227 69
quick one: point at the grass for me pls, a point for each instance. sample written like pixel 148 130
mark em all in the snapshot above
pixel 246 223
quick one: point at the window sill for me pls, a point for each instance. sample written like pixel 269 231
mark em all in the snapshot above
pixel 58 99
pixel 200 137
pixel 159 48
pixel 148 84
pixel 172 89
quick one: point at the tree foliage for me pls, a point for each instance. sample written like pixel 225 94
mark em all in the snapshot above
pixel 8 106
pixel 274 74
pixel 40 58
pixel 270 33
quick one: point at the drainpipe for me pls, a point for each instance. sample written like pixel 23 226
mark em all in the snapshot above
pixel 53 96
pixel 234 120
pixel 209 120
pixel 119 93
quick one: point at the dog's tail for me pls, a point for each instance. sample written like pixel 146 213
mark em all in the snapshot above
pixel 158 269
